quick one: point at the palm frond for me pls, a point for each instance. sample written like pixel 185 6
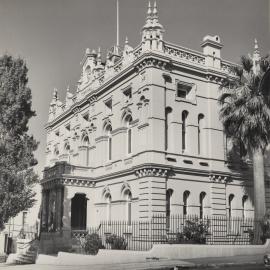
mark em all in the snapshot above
pixel 246 63
pixel 238 71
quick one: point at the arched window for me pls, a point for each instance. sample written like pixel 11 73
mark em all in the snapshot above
pixel 168 111
pixel 85 142
pixel 108 130
pixel 244 205
pixel 56 151
pixel 169 193
pixel 128 120
pixel 184 124
pixel 128 196
pixel 202 201
pixel 66 147
pixel 185 202
pixel 200 137
pixel 108 198
pixel 230 200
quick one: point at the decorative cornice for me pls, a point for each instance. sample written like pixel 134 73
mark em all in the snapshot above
pixel 55 183
pixel 153 172
pixel 218 178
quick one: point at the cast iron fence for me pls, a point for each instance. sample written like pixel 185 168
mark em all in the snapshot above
pixel 177 229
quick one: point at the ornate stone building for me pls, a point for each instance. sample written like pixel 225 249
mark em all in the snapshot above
pixel 142 136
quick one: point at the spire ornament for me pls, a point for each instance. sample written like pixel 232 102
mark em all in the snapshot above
pixel 256 57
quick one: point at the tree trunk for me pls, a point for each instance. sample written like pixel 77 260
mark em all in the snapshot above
pixel 259 188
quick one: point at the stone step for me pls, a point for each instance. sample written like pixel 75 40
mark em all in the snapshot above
pixel 23 260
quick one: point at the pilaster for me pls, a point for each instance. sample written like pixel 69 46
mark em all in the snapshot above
pixel 152 196
pixel 218 194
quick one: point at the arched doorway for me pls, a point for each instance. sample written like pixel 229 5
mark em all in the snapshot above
pixel 78 212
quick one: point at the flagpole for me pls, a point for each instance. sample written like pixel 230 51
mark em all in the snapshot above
pixel 117 25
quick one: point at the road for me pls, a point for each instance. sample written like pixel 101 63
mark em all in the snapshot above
pixel 123 267
pixel 237 267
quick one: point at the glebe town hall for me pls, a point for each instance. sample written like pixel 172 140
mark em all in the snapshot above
pixel 140 137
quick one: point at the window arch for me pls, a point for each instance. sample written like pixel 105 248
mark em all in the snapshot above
pixel 200 137
pixel 128 198
pixel 185 202
pixel 202 204
pixel 56 150
pixel 230 200
pixel 168 113
pixel 169 193
pixel 108 131
pixel 128 120
pixel 85 142
pixel 244 205
pixel 184 132
pixel 108 199
pixel 66 147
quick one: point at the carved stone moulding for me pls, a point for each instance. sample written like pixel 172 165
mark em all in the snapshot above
pixel 153 172
pixel 77 182
pixel 51 184
pixel 152 62
pixel 219 178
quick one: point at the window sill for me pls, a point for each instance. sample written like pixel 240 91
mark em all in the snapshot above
pixel 186 100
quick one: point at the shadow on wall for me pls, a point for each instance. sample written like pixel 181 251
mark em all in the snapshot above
pixel 240 161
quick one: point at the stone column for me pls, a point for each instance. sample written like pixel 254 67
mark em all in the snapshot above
pixel 59 208
pixel 152 200
pixel 44 213
pixel 51 212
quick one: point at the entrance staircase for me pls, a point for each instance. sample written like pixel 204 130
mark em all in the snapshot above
pixel 27 251
pixel 29 255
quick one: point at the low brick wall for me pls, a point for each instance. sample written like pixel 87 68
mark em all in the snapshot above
pixel 200 251
pixel 164 251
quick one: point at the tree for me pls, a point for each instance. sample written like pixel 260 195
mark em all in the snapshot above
pixel 245 114
pixel 16 146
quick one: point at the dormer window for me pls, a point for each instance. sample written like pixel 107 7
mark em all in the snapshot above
pixel 183 90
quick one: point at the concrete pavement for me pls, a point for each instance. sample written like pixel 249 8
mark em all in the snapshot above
pixel 199 263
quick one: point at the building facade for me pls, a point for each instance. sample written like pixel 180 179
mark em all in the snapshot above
pixel 141 136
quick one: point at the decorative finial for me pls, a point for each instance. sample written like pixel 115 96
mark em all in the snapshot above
pixel 149 12
pixel 99 54
pixel 55 93
pixel 126 41
pixel 87 51
pixel 93 51
pixel 256 57
pixel 68 88
pixel 256 47
pixel 155 9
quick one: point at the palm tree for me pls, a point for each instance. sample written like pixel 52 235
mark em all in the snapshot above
pixel 245 114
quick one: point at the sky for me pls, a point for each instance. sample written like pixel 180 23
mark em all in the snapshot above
pixel 52 35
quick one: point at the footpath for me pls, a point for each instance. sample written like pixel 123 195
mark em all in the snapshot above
pixel 154 263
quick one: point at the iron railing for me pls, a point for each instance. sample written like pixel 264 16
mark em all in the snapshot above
pixel 178 229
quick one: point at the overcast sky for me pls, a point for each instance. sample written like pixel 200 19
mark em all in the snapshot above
pixel 51 35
